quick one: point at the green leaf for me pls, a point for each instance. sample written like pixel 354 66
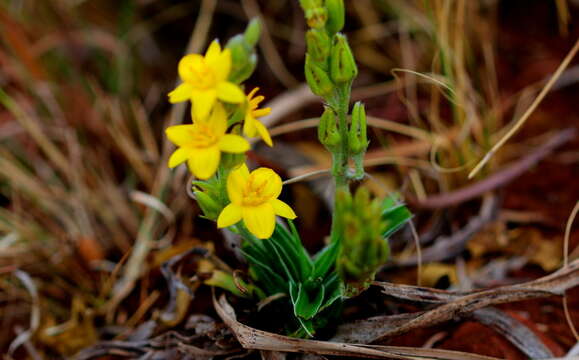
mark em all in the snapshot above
pixel 395 215
pixel 283 258
pixel 265 273
pixel 334 290
pixel 294 248
pixel 324 260
pixel 304 306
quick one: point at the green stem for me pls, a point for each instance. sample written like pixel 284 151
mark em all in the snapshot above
pixel 341 156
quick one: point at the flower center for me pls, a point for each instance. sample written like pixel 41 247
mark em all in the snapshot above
pixel 202 76
pixel 203 136
pixel 254 193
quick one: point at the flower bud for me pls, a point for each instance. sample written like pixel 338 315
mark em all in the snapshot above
pixel 357 136
pixel 243 57
pixel 317 78
pixel 315 13
pixel 363 248
pixel 327 129
pixel 208 205
pixel 342 64
pixel 251 34
pixel 336 16
pixel 319 45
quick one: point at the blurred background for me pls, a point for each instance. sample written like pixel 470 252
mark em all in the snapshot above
pixel 89 211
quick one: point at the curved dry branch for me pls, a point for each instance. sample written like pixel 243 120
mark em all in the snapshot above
pixel 459 304
pixel 251 338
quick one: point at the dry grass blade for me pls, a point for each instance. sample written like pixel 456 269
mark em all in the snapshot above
pixel 251 338
pixel 24 336
pixel 565 264
pixel 529 111
pixel 497 179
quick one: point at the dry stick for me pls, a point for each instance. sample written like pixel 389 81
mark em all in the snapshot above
pixel 515 331
pixel 565 264
pixel 529 111
pixel 458 304
pixel 497 179
pixel 144 240
pixel 251 338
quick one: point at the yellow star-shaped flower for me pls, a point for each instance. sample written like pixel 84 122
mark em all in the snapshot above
pixel 205 80
pixel 254 199
pixel 201 143
pixel 252 126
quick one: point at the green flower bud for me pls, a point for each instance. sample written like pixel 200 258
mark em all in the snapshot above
pixel 243 73
pixel 319 45
pixel 240 53
pixel 336 16
pixel 208 205
pixel 364 248
pixel 328 133
pixel 251 34
pixel 357 136
pixel 315 13
pixel 243 57
pixel 342 64
pixel 317 78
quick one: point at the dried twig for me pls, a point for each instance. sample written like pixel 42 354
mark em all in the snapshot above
pixel 462 303
pixel 251 338
pixel 515 331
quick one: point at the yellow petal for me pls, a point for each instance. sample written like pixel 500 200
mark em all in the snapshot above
pixel 181 93
pixel 230 93
pixel 230 215
pixel 233 144
pixel 249 126
pixel 218 119
pixel 213 52
pixel 263 133
pixel 221 66
pixel 202 101
pixel 252 92
pixel 256 100
pixel 236 182
pixel 261 112
pixel 269 181
pixel 179 156
pixel 188 65
pixel 203 164
pixel 282 209
pixel 180 134
pixel 260 220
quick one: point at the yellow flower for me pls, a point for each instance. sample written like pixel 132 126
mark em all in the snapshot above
pixel 254 199
pixel 205 80
pixel 201 143
pixel 251 126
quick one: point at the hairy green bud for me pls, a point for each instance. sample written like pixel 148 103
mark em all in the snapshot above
pixel 243 57
pixel 252 32
pixel 342 64
pixel 317 78
pixel 328 133
pixel 336 16
pixel 357 136
pixel 364 248
pixel 319 45
pixel 315 12
pixel 208 205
